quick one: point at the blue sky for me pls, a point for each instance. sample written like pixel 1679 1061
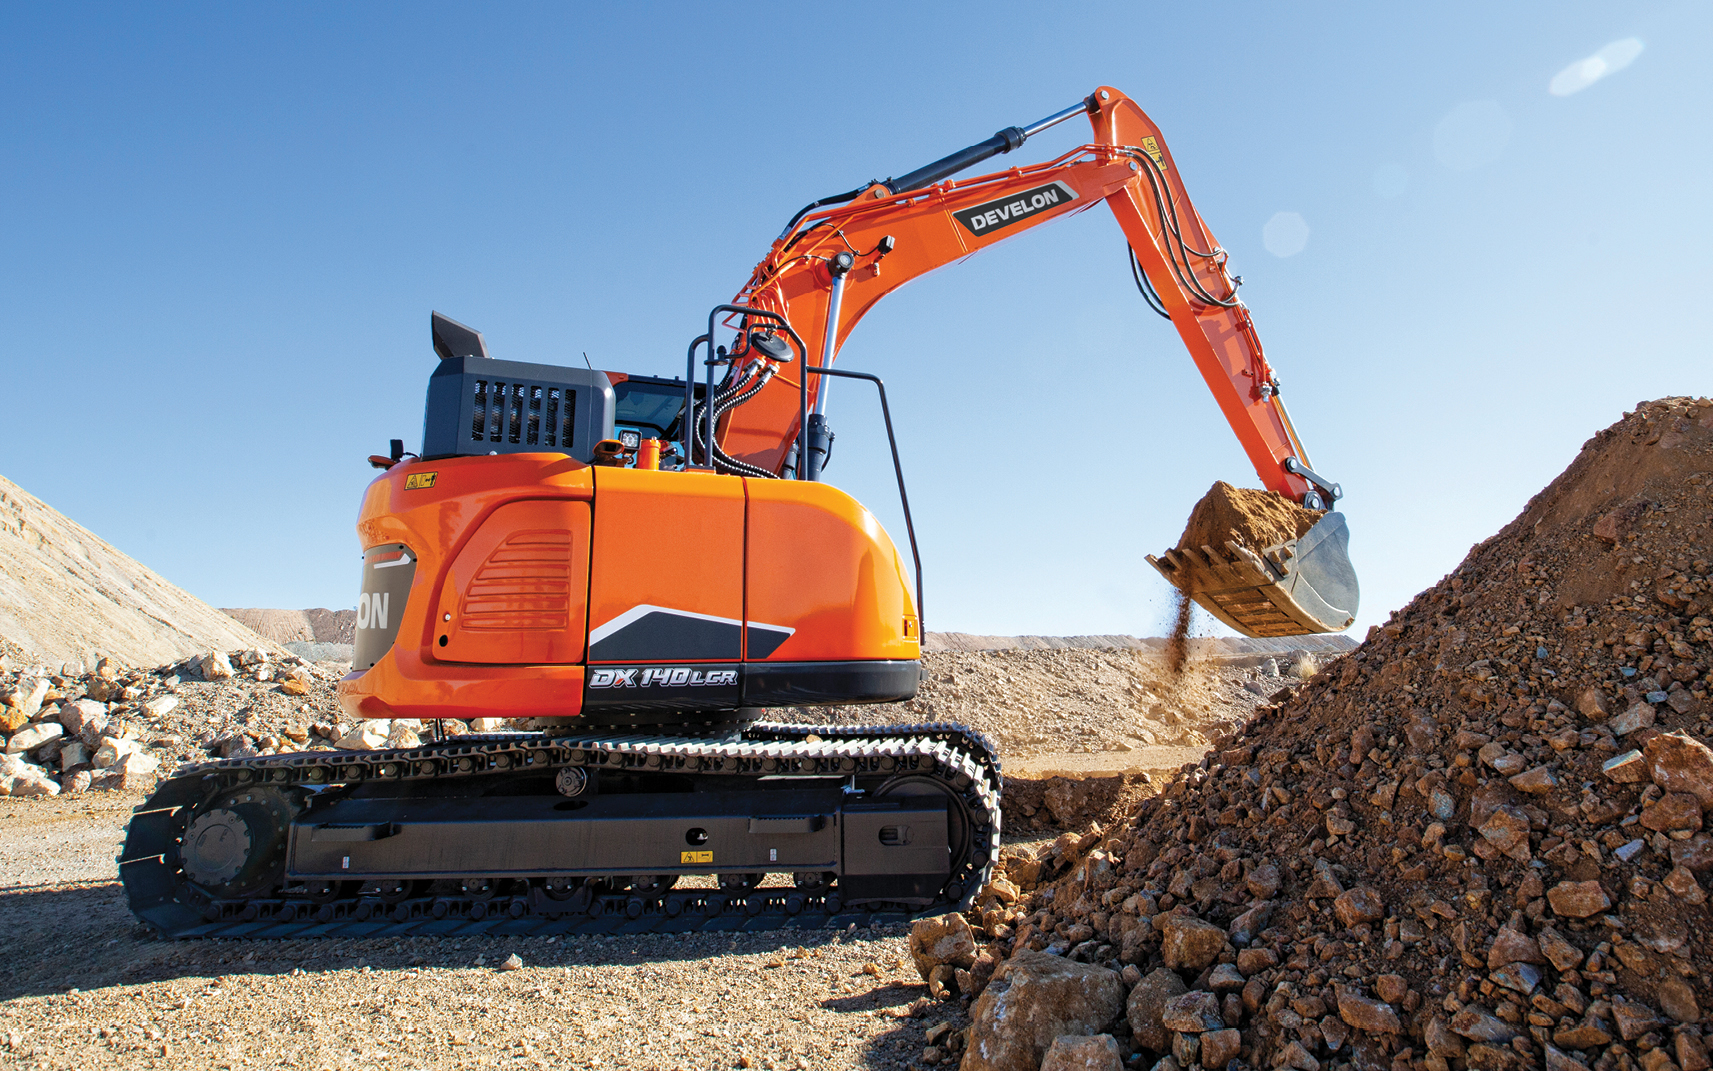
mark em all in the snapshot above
pixel 222 228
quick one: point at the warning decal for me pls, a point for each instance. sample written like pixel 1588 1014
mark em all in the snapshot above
pixel 417 481
pixel 1151 146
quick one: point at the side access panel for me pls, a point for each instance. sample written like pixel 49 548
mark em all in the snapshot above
pixel 667 558
pixel 516 593
pixel 824 582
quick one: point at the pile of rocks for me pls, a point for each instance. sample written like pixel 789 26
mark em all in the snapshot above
pixel 1476 841
pixel 116 727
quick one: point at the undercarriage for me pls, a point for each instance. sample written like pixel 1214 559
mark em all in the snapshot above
pixel 545 833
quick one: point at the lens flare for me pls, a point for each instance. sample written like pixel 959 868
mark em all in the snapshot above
pixel 1285 234
pixel 1585 72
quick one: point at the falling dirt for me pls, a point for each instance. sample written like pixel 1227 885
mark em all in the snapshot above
pixel 1251 518
pixel 1178 642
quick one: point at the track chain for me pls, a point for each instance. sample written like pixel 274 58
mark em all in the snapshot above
pixel 159 892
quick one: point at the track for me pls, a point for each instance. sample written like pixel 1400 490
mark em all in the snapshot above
pixel 952 760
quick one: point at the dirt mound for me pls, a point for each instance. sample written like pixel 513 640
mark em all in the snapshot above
pixel 299 626
pixel 66 595
pixel 1034 702
pixel 1248 517
pixel 1475 841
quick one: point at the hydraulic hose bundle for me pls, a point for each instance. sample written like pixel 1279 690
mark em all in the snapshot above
pixel 742 382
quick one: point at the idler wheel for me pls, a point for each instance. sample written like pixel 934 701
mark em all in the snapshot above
pixel 216 847
pixel 739 882
pixel 236 848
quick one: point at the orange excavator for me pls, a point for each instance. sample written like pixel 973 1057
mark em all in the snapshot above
pixel 642 567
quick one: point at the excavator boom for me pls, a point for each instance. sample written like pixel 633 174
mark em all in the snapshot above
pixel 832 265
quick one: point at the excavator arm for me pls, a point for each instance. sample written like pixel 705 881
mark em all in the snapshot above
pixel 832 265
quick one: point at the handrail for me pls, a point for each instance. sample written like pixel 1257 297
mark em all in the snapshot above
pixel 690 373
pixel 897 465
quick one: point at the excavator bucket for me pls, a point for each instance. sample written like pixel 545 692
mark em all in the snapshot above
pixel 1294 588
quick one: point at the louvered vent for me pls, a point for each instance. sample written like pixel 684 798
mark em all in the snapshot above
pixel 525 585
pixel 520 414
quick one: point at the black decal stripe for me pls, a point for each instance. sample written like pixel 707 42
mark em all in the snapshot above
pixel 765 639
pixel 663 636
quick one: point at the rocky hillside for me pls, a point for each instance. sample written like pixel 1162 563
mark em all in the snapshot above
pixel 66 595
pixel 299 626
pixel 1476 841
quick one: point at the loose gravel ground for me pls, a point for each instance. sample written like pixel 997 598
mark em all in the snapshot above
pixel 85 987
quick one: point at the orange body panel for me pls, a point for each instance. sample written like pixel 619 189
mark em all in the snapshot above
pixel 529 553
pixel 436 522
pixel 667 539
pixel 518 590
pixel 821 564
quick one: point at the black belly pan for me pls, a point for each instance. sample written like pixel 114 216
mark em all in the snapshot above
pixel 653 833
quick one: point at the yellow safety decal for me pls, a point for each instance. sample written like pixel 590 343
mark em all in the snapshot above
pixel 1151 146
pixel 686 858
pixel 416 481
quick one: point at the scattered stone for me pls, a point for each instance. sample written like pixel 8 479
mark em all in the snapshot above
pixel 1559 952
pixel 1073 1052
pixel 1639 716
pixel 1263 881
pixel 366 736
pixel 34 737
pixel 214 666
pixel 1537 781
pixel 1192 1013
pixel 943 939
pixel 112 750
pixel 79 712
pixel 1680 763
pixel 1365 1013
pixel 1677 999
pixel 1511 946
pixel 1675 810
pixel 512 962
pixel 1578 899
pixel 1359 905
pixel 1146 1008
pixel 160 706
pixel 1682 884
pixel 1478 1024
pixel 1189 943
pixel 1632 1019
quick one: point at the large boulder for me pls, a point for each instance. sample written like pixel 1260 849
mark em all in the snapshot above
pixel 1147 1008
pixel 1033 1000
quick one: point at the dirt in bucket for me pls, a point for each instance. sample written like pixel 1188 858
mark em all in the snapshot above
pixel 1252 518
